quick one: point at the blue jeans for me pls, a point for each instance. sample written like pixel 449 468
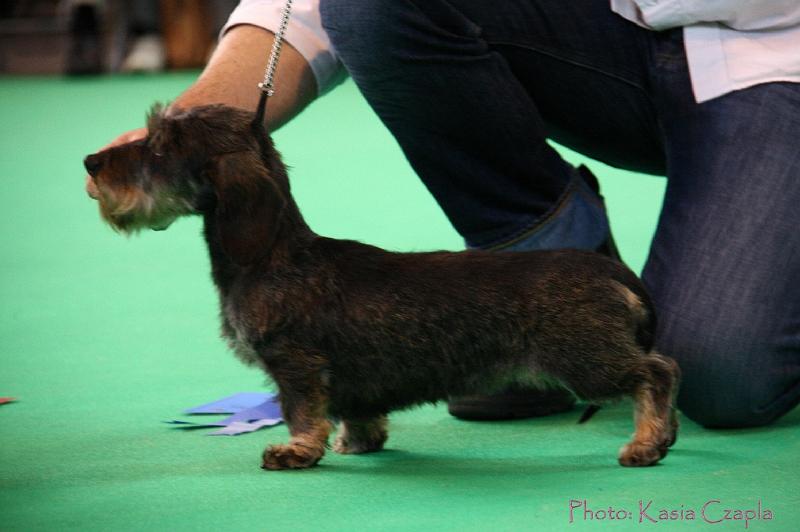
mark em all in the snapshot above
pixel 472 89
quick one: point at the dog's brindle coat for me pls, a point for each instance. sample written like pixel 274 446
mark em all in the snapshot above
pixel 350 331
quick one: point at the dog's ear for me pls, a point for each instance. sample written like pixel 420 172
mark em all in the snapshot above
pixel 159 129
pixel 249 206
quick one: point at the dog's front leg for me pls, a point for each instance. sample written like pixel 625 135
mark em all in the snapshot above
pixel 309 430
pixel 309 427
pixel 361 436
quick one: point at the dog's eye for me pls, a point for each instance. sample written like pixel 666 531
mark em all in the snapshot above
pixel 154 144
pixel 155 149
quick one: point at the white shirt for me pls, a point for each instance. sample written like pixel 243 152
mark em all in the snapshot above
pixel 730 44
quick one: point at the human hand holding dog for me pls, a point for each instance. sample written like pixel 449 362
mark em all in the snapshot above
pixel 231 77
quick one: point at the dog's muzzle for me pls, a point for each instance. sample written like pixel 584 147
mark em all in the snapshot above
pixel 91 188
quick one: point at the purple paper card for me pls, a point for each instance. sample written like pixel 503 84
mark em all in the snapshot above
pixel 250 411
pixel 232 404
pixel 239 427
pixel 269 409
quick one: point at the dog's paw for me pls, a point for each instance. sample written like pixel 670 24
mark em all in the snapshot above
pixel 671 438
pixel 672 435
pixel 279 457
pixel 345 445
pixel 361 437
pixel 637 454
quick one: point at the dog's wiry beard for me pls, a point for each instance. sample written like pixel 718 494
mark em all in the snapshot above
pixel 130 209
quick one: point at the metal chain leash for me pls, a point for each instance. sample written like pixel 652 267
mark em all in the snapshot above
pixel 267 86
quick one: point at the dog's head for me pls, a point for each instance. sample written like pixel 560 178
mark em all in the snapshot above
pixel 205 160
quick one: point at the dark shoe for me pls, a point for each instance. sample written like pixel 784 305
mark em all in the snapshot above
pixel 511 404
pixel 531 402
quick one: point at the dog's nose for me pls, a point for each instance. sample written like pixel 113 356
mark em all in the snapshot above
pixel 93 164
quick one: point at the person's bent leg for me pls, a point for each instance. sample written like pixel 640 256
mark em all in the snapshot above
pixel 460 84
pixel 451 81
pixel 724 268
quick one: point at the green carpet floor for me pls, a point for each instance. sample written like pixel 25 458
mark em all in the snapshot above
pixel 102 338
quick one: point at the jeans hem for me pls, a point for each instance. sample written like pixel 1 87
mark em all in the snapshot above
pixel 530 229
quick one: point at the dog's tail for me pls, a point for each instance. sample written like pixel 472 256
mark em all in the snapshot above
pixel 589 412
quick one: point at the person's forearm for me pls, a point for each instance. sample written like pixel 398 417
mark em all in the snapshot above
pixel 237 66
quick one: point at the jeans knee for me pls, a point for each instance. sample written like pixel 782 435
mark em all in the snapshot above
pixel 728 408
pixel 733 376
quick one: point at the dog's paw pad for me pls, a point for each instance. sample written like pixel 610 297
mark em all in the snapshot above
pixel 641 454
pixel 289 457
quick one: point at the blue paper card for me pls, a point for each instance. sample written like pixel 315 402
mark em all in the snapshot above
pixel 232 404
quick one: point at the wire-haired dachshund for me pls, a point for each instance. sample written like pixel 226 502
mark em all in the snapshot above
pixel 350 331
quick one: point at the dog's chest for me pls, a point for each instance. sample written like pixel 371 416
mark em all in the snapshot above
pixel 237 329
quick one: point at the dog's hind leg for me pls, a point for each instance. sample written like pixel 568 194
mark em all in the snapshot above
pixel 655 418
pixel 309 428
pixel 361 436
